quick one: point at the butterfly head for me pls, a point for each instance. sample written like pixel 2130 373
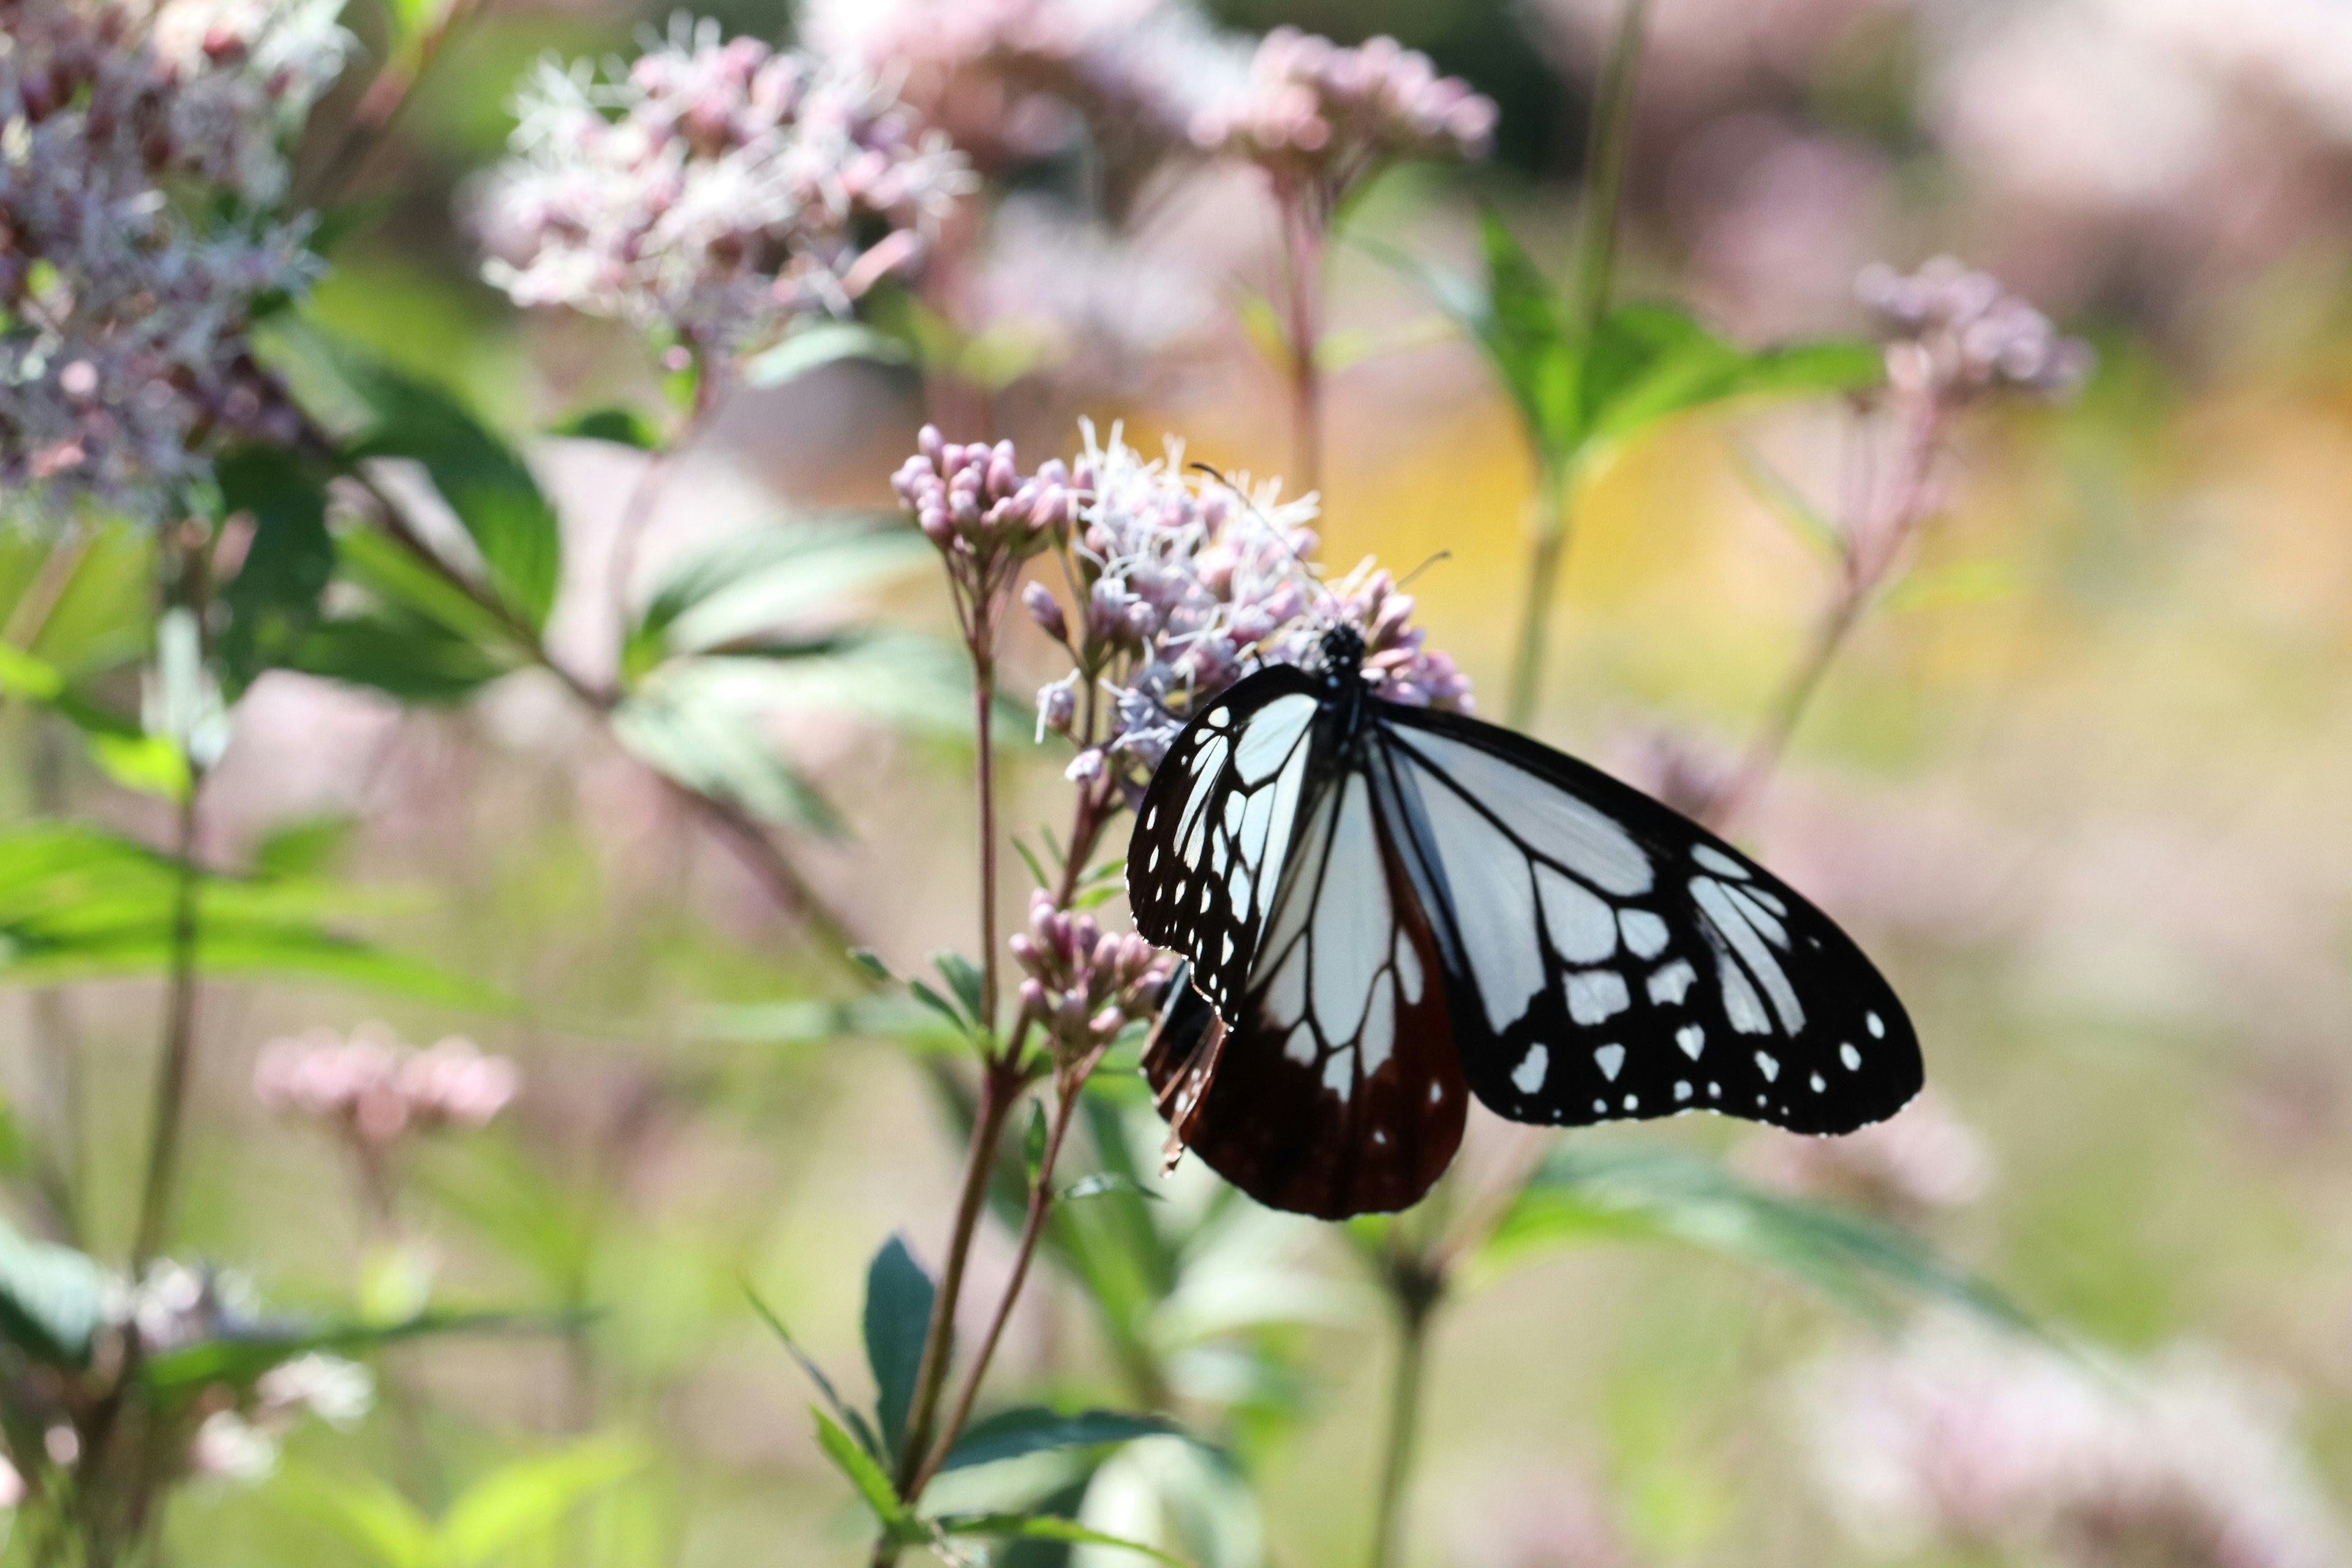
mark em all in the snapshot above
pixel 1343 651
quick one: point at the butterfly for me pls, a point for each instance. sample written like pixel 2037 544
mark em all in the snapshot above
pixel 1386 909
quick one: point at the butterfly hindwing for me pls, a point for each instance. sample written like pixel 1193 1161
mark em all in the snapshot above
pixel 1608 958
pixel 1336 1090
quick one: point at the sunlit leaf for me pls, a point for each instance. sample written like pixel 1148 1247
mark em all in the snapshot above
pixel 525 1501
pixel 867 1476
pixel 823 343
pixel 898 1301
pixel 1106 1182
pixel 52 1298
pixel 751 587
pixel 703 731
pixel 367 1511
pixel 236 1361
pixel 816 1375
pixel 963 979
pixel 619 427
pixel 1587 1192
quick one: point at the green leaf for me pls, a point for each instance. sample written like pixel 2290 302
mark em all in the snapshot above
pixel 1104 1181
pixel 484 482
pixel 898 1301
pixel 867 1476
pixel 866 959
pixel 816 1375
pixel 1033 1429
pixel 745 593
pixel 942 1006
pixel 963 979
pixel 1046 1527
pixel 1789 504
pixel 306 846
pixel 1584 1191
pixel 703 731
pixel 824 343
pixel 238 1360
pixel 406 658
pixel 52 1299
pixel 272 601
pixel 525 1501
pixel 620 426
pixel 1032 1144
pixel 1029 858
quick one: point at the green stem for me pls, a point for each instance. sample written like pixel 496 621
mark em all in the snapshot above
pixel 1415 1291
pixel 1553 526
pixel 1604 170
pixel 179 1048
pixel 1596 266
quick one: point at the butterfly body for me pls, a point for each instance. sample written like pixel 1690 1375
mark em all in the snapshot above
pixel 1387 909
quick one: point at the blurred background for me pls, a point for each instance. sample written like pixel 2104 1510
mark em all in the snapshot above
pixel 2079 787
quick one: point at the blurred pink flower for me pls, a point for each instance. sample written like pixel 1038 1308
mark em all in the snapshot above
pixel 1013 80
pixel 1962 1436
pixel 1923 1159
pixel 1320 116
pixel 1954 333
pixel 379 1091
pixel 714 191
pixel 125 290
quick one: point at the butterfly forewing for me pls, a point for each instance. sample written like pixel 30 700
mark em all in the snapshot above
pixel 1607 959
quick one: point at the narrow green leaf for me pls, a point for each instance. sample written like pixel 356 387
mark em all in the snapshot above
pixel 963 979
pixel 1789 504
pixel 1583 1193
pixel 1033 1429
pixel 864 1474
pixel 866 959
pixel 306 846
pixel 1046 1527
pixel 238 1360
pixel 816 1375
pixel 366 1511
pixel 942 1006
pixel 1032 1144
pixel 1029 858
pixel 1103 1181
pixel 898 1301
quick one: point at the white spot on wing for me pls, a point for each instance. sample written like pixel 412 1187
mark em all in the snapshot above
pixel 1681 1090
pixel 1727 917
pixel 1609 1059
pixel 1669 985
pixel 1766 924
pixel 1339 1073
pixel 1284 819
pixel 1583 927
pixel 1851 1058
pixel 1553 823
pixel 1596 996
pixel 1645 933
pixel 1528 1076
pixel 1740 1002
pixel 1300 1047
pixel 1632 1102
pixel 1820 1083
pixel 1408 969
pixel 1716 860
pixel 1692 1038
pixel 1769 1066
pixel 1877 1025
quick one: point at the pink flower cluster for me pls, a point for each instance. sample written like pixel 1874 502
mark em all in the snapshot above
pixel 378 1090
pixel 1083 984
pixel 1955 333
pixel 2005 1444
pixel 1320 115
pixel 715 191
pixel 144 163
pixel 975 503
pixel 1013 80
pixel 1400 669
pixel 1920 1160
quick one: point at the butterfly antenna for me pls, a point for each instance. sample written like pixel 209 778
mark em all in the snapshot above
pixel 1407 579
pixel 1279 537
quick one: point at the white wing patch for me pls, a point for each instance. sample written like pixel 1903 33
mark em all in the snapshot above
pixel 1553 824
pixel 1493 899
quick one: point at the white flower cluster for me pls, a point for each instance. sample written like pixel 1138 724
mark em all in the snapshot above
pixel 1191 583
pixel 2000 1443
pixel 142 165
pixel 713 190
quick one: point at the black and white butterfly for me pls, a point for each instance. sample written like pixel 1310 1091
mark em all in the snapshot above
pixel 1389 908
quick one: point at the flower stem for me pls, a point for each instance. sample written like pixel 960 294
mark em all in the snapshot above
pixel 1415 1290
pixel 1302 256
pixel 1041 1204
pixel 178 1049
pixel 983 702
pixel 1610 136
pixel 1553 526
